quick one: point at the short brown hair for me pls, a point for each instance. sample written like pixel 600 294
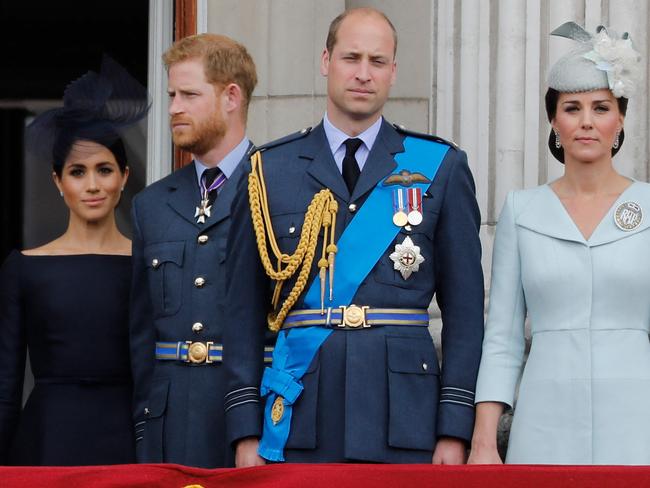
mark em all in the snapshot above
pixel 336 24
pixel 224 61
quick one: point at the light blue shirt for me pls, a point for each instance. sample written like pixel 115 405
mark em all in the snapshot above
pixel 227 164
pixel 336 137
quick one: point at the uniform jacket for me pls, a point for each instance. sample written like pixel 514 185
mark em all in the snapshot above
pixel 376 394
pixel 584 393
pixel 178 406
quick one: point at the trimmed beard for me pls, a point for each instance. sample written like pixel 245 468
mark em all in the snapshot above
pixel 203 137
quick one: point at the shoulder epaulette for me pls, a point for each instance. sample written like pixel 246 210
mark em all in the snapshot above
pixel 403 130
pixel 283 140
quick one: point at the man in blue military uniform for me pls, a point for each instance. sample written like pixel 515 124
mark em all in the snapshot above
pixel 180 227
pixel 357 224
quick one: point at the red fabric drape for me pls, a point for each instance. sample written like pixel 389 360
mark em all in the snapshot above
pixel 330 476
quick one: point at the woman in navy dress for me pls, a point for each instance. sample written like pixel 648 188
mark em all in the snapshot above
pixel 67 301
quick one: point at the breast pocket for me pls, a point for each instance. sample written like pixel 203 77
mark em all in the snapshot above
pixel 164 262
pixel 287 228
pixel 413 385
pixel 422 245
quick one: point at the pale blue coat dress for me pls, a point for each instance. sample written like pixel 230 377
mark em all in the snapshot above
pixel 584 396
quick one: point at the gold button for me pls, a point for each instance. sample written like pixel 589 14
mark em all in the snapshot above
pixel 155 263
pixel 352 207
pixel 197 327
pixel 425 366
pixel 197 352
pixel 202 239
pixel 199 282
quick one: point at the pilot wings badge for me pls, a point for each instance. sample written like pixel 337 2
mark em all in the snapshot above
pixel 406 178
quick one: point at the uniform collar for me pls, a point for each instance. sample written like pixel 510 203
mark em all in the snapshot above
pixel 336 137
pixel 228 164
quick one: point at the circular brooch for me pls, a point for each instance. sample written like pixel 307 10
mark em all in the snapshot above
pixel 628 216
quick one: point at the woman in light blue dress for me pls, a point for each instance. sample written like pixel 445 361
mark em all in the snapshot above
pixel 574 257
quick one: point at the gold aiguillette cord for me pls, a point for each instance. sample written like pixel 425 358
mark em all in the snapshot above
pixel 321 214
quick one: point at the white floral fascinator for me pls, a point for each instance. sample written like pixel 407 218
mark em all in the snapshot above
pixel 601 60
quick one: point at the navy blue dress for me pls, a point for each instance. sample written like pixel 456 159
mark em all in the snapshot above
pixel 72 314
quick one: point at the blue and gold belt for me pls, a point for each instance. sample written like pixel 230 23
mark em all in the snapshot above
pixel 197 352
pixel 356 257
pixel 354 317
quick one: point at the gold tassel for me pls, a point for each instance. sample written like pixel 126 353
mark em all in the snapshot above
pixel 332 249
pixel 321 214
pixel 322 274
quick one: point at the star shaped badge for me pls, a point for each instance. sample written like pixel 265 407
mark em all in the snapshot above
pixel 406 258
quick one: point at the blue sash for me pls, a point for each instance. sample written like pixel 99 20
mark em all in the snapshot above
pixel 356 257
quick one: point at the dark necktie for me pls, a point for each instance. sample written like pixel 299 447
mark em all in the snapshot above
pixel 212 179
pixel 350 166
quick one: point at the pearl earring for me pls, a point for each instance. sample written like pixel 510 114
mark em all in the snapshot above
pixel 61 193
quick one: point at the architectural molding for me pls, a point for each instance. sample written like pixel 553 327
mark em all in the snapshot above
pixel 185 24
pixel 201 16
pixel 159 144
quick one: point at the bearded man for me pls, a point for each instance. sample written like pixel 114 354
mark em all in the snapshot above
pixel 180 230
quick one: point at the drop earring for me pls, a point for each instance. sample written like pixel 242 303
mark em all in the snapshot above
pixel 616 140
pixel 558 144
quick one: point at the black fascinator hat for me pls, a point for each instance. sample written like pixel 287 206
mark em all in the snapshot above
pixel 97 107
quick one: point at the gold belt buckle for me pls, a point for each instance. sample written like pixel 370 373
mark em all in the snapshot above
pixel 198 352
pixel 353 316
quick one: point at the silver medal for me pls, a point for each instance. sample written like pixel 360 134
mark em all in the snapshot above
pixel 202 212
pixel 415 204
pixel 406 258
pixel 628 216
pixel 415 217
